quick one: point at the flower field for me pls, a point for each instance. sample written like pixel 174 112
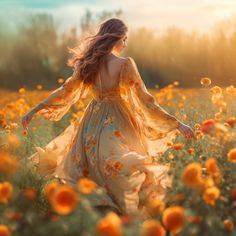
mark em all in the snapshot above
pixel 202 200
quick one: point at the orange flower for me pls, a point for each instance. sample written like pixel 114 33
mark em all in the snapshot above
pixel 155 206
pixel 6 191
pixel 110 225
pixel 231 121
pixel 228 224
pixel 30 193
pixel 12 140
pixel 11 215
pixel 8 164
pixel 218 115
pixel 85 172
pixel 25 132
pixel 208 126
pixel 152 227
pixel 213 170
pixel 207 183
pixel 50 188
pixel 86 185
pixel 231 156
pixel 126 219
pixel 205 81
pixel 211 166
pixel 233 193
pixel 192 175
pixel 177 146
pixel 195 219
pixel 169 144
pixel 4 230
pixel 174 218
pixel 190 150
pixel 211 194
pixel 64 200
pixel 171 156
pixel 179 197
pixel 117 133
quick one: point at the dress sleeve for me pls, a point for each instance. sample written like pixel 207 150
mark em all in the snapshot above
pixel 153 112
pixel 55 106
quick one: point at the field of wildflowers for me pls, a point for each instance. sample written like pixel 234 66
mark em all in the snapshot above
pixel 201 202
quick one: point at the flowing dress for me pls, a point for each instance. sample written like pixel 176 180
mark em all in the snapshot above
pixel 114 142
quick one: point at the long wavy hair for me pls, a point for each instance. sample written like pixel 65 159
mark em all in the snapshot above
pixel 89 55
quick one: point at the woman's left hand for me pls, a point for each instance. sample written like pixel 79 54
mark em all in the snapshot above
pixel 186 131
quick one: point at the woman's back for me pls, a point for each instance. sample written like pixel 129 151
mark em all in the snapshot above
pixel 109 73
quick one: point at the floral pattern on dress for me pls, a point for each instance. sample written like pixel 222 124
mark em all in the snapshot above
pixel 116 140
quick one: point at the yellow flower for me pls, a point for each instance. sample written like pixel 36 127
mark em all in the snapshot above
pixel 231 156
pixel 174 218
pixel 210 195
pixel 60 80
pixel 64 199
pixel 152 227
pixel 22 91
pixel 205 81
pixel 6 191
pixel 110 225
pixel 39 87
pixel 228 224
pixel 176 83
pixel 216 89
pixel 192 175
pixel 4 231
pixel 197 126
pixel 86 185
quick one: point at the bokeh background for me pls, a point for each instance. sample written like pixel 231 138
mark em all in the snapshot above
pixel 170 40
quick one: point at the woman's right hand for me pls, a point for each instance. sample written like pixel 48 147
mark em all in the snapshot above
pixel 26 119
pixel 186 131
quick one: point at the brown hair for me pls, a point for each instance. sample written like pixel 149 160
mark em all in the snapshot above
pixel 89 55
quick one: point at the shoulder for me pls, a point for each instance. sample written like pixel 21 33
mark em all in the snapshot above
pixel 127 62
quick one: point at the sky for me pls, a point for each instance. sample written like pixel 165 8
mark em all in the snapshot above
pixel 198 15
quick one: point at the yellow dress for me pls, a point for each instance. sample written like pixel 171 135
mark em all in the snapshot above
pixel 114 142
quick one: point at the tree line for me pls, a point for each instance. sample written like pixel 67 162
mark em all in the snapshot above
pixel 36 52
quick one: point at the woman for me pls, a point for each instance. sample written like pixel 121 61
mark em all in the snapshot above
pixel 120 132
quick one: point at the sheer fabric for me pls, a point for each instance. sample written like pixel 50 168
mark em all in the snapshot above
pixel 113 143
pixel 61 99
